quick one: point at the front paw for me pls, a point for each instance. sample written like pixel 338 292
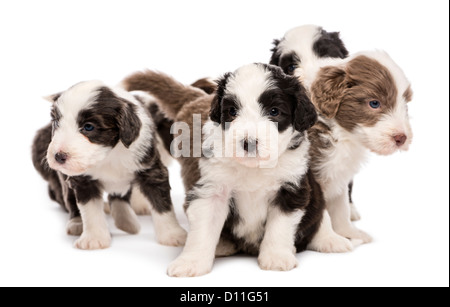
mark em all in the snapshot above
pixel 355 235
pixel 277 261
pixel 74 227
pixel 175 236
pixel 90 241
pixel 332 243
pixel 189 267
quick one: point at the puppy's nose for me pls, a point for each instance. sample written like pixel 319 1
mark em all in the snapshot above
pixel 400 139
pixel 61 157
pixel 250 145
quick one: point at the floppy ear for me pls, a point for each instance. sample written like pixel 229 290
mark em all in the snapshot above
pixel 53 98
pixel 328 90
pixel 305 115
pixel 129 124
pixel 216 105
pixel 275 59
pixel 330 45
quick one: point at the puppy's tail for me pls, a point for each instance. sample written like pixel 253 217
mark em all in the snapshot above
pixel 171 94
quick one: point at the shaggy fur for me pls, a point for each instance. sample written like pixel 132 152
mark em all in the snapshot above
pixel 361 101
pixel 101 139
pixel 271 212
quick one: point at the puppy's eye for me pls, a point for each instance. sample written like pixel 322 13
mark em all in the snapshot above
pixel 88 127
pixel 375 104
pixel 232 112
pixel 291 68
pixel 274 112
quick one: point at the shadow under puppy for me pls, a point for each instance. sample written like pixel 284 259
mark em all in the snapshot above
pixel 362 105
pixel 264 202
pixel 102 139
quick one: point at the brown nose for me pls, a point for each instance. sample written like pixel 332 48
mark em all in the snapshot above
pixel 61 157
pixel 400 139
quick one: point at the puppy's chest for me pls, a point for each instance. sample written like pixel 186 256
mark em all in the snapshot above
pixel 115 175
pixel 250 212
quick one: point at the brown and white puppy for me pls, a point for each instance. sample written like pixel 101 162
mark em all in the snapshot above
pixel 362 101
pixel 264 202
pixel 102 139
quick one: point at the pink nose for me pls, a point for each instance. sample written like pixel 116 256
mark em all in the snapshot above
pixel 400 139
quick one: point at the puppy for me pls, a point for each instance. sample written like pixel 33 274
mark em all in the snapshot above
pixel 101 139
pixel 362 103
pixel 250 191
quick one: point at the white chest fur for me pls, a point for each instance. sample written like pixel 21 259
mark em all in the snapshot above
pixel 340 162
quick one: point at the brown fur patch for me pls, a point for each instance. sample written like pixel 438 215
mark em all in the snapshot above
pixel 408 94
pixel 345 93
pixel 206 85
pixel 319 142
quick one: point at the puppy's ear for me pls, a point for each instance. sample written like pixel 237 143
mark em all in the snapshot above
pixel 275 59
pixel 129 124
pixel 330 45
pixel 305 115
pixel 216 105
pixel 328 90
pixel 53 98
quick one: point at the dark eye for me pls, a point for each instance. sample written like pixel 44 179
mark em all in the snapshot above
pixel 291 68
pixel 274 112
pixel 232 112
pixel 375 104
pixel 88 127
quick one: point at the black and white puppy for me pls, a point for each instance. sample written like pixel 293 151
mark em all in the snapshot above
pixel 103 141
pixel 255 194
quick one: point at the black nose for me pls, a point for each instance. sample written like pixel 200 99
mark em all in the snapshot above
pixel 61 157
pixel 250 145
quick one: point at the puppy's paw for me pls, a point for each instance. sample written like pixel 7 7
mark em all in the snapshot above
pixel 354 214
pixel 124 218
pixel 174 236
pixel 74 227
pixel 225 248
pixel 355 235
pixel 277 261
pixel 332 243
pixel 90 241
pixel 189 267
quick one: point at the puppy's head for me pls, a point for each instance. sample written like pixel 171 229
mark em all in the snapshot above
pixel 304 44
pixel 89 120
pixel 261 111
pixel 368 96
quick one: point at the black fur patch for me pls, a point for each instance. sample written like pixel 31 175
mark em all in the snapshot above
pixel 216 105
pixel 125 198
pixel 163 125
pixel 113 119
pixel 154 185
pixel 330 45
pixel 85 188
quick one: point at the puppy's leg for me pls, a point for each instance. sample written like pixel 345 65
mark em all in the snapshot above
pixel 74 226
pixel 206 219
pixel 154 185
pixel 354 214
pixel 277 251
pixel 327 241
pixel 122 213
pixel 88 193
pixel 339 210
pixel 139 202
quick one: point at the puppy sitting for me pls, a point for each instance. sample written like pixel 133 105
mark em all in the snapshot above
pixel 102 140
pixel 362 101
pixel 251 189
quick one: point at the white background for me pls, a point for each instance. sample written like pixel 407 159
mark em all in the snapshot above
pixel 47 46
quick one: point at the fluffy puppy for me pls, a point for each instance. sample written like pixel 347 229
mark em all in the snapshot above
pixel 250 191
pixel 362 101
pixel 101 139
